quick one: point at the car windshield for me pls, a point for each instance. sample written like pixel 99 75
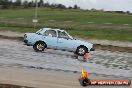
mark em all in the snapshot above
pixel 39 31
pixel 69 35
pixel 64 34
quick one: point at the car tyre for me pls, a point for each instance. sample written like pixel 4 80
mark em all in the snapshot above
pixel 81 50
pixel 39 46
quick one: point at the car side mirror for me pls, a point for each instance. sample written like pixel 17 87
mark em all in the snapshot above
pixel 67 38
pixel 74 38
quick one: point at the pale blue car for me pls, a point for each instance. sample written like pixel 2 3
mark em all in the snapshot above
pixel 56 39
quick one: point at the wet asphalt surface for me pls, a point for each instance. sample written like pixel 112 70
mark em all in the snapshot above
pixel 15 54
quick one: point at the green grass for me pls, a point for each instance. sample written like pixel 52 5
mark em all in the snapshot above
pixel 72 15
pixel 17 29
pixel 109 34
pixel 74 21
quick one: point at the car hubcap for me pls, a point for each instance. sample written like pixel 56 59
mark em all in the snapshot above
pixel 81 51
pixel 40 46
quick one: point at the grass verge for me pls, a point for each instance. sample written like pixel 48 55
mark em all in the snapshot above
pixel 76 22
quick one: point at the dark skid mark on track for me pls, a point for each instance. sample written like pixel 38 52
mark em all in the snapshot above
pixel 13 86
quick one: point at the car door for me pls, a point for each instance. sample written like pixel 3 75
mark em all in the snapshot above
pixel 50 38
pixel 64 42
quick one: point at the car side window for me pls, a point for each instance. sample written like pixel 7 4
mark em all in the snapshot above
pixel 62 34
pixel 50 33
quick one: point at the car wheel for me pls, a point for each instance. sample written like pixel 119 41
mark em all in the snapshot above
pixel 81 50
pixel 39 46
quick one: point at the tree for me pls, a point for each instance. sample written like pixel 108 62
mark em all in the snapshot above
pixel 18 3
pixel 31 4
pixel 93 9
pixel 128 12
pixel 25 4
pixel 41 3
pixel 10 2
pixel 76 7
pixel 46 4
pixel 69 7
pixel 61 6
pixel 4 4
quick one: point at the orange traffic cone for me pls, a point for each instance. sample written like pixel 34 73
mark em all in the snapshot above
pixel 84 80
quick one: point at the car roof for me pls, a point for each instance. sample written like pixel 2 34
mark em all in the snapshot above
pixel 42 30
pixel 52 29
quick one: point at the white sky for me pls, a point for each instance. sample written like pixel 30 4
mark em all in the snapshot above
pixel 124 5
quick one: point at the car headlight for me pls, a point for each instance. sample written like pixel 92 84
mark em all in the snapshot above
pixel 25 36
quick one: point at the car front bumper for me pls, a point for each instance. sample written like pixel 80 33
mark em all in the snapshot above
pixel 25 41
pixel 92 49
